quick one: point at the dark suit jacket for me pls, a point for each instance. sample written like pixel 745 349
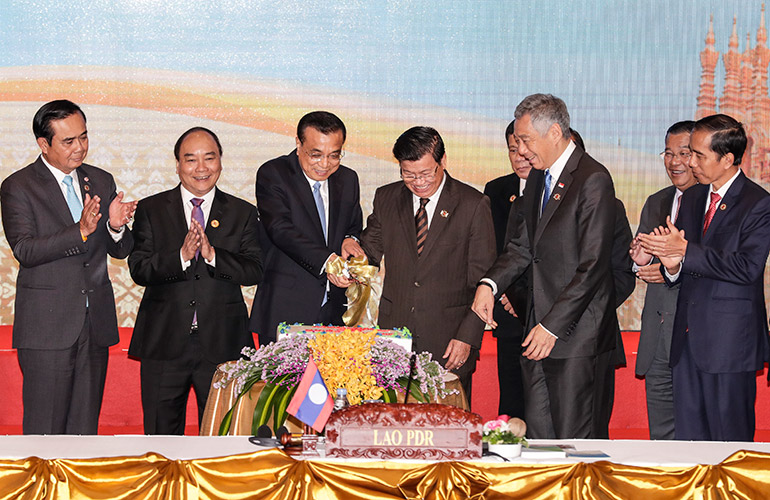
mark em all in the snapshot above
pixel 431 294
pixel 58 272
pixel 722 298
pixel 293 243
pixel 501 192
pixel 567 255
pixel 172 296
pixel 659 300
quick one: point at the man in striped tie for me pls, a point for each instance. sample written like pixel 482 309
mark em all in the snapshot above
pixel 717 251
pixel 437 237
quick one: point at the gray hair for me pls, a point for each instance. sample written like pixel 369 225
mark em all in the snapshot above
pixel 544 110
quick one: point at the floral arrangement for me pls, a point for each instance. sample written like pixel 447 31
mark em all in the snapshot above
pixel 369 367
pixel 504 430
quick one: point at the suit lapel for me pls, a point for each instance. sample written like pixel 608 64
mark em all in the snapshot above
pixel 444 209
pixel 664 209
pixel 178 223
pixel 726 204
pixel 560 188
pixel 303 192
pixel 84 179
pixel 216 217
pixel 696 211
pixel 405 209
pixel 53 192
pixel 335 202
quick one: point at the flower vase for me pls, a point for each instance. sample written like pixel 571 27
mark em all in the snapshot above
pixel 506 450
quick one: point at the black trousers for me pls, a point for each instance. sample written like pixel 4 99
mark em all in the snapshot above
pixel 166 385
pixel 62 389
pixel 569 398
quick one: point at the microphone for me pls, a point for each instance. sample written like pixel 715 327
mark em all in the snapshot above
pixel 264 431
pixel 412 363
pixel 281 431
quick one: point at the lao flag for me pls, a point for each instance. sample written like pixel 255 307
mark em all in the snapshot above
pixel 312 403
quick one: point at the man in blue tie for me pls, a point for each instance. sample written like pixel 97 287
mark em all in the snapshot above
pixel 560 233
pixel 62 217
pixel 310 213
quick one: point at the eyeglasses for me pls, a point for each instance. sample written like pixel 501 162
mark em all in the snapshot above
pixel 684 156
pixel 333 158
pixel 410 177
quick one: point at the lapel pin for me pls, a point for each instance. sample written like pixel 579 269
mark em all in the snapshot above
pixel 85 179
pixel 561 185
pixel 513 197
pixel 87 187
pixel 444 214
pixel 215 223
pixel 722 207
pixel 557 197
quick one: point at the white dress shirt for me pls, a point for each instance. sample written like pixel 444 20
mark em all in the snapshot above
pixel 187 205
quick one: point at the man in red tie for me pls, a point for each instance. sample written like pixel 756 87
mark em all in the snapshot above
pixel 652 358
pixel 717 251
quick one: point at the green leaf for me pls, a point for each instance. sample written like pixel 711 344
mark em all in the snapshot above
pixel 282 402
pixel 414 390
pixel 265 402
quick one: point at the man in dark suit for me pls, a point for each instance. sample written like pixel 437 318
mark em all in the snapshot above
pixel 717 251
pixel 652 359
pixel 61 233
pixel 195 247
pixel 566 253
pixel 510 326
pixel 437 237
pixel 310 213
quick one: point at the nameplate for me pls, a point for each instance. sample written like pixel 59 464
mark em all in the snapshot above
pixel 397 431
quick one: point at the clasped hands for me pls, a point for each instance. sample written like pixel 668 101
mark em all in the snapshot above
pixel 195 240
pixel 120 213
pixel 350 248
pixel 666 243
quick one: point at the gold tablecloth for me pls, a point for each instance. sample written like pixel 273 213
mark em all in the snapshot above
pixel 221 400
pixel 274 475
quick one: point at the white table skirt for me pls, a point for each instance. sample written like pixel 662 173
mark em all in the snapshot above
pixel 627 452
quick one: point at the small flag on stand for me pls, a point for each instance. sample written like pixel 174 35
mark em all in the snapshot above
pixel 312 403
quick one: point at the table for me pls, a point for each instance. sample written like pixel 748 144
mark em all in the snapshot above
pixel 220 401
pixel 166 467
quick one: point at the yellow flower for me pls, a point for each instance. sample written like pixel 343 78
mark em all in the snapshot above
pixel 344 361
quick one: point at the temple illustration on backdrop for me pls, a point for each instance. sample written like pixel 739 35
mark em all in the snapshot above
pixel 745 95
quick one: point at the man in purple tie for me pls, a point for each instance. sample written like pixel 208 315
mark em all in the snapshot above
pixel 195 246
pixel 717 251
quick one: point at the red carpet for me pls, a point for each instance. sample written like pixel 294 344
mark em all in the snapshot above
pixel 122 408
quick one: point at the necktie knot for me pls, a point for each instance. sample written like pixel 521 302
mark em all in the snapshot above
pixel 715 198
pixel 423 202
pixel 317 186
pixel 67 180
pixel 197 202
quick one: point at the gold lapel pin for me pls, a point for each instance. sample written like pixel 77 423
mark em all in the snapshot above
pixel 444 214
pixel 722 207
pixel 215 223
pixel 85 179
pixel 557 197
pixel 87 187
pixel 513 197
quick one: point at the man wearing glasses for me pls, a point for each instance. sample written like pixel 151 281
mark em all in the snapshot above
pixel 660 301
pixel 437 237
pixel 309 212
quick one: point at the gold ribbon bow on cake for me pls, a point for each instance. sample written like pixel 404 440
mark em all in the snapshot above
pixel 363 304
